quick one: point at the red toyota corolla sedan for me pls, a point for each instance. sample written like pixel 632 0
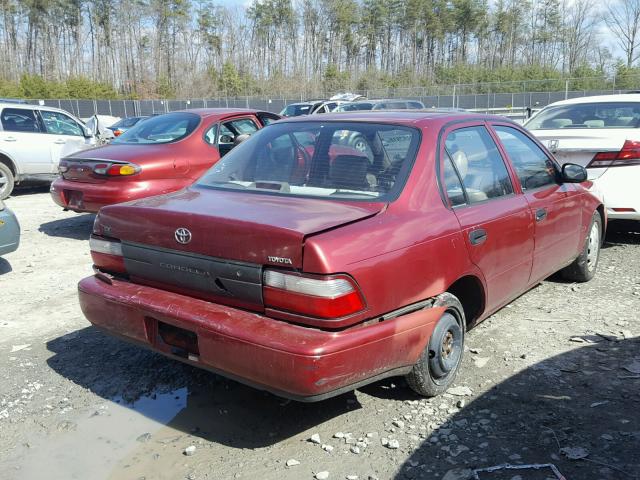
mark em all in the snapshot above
pixel 306 267
pixel 158 155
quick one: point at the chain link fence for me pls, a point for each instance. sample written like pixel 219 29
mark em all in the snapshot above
pixel 478 96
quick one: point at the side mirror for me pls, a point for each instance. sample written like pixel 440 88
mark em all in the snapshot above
pixel 225 139
pixel 88 133
pixel 572 173
pixel 240 138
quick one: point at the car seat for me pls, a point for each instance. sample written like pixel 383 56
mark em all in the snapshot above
pixel 349 172
pixel 461 162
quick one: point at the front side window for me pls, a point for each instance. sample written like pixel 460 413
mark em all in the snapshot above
pixel 587 115
pixel 340 160
pixel 166 128
pixel 19 120
pixel 57 123
pixel 478 163
pixel 533 167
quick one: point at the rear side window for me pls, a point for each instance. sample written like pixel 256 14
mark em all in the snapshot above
pixel 478 164
pixel 232 129
pixel 19 120
pixel 341 160
pixel 166 128
pixel 533 167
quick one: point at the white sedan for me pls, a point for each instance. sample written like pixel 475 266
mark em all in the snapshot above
pixel 601 133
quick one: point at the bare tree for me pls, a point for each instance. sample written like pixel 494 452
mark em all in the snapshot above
pixel 623 20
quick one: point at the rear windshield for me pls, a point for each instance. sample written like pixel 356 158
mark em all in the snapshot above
pixel 353 107
pixel 167 128
pixel 587 115
pixel 296 110
pixel 341 160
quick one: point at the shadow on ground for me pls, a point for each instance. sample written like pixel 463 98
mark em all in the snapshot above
pixel 217 409
pixel 588 399
pixel 621 232
pixel 28 188
pixel 78 228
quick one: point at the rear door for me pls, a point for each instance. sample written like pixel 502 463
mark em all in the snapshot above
pixel 22 138
pixel 494 216
pixel 554 206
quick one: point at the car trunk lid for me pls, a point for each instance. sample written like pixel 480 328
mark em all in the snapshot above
pixel 216 242
pixel 581 145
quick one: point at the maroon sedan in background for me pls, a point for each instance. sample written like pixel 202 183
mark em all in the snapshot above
pixel 159 155
pixel 307 267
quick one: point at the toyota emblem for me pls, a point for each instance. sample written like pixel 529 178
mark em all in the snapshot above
pixel 183 236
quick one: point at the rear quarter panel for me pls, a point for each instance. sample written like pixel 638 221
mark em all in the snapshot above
pixel 411 251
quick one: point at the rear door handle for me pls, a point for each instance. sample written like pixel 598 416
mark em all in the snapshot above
pixel 478 236
pixel 60 141
pixel 541 214
pixel 10 139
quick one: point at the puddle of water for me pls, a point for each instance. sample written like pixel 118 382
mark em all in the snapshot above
pixel 161 407
pixel 94 443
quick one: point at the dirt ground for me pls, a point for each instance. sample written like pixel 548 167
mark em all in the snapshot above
pixel 554 378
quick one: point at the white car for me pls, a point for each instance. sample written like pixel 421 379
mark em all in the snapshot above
pixel 602 134
pixel 33 138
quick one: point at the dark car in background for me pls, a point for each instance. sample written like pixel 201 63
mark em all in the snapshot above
pixel 301 108
pixel 384 104
pixel 161 154
pixel 123 125
pixel 307 268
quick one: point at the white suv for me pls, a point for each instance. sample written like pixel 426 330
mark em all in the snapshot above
pixel 32 141
pixel 602 134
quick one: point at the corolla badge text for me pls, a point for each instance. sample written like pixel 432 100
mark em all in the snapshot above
pixel 182 236
pixel 286 261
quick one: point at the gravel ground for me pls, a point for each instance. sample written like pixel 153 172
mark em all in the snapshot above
pixel 553 378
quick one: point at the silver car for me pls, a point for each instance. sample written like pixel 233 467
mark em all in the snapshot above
pixel 9 230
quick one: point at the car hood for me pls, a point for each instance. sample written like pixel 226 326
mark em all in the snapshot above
pixel 249 227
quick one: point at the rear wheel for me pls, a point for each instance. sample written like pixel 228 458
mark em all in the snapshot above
pixel 584 267
pixel 6 181
pixel 438 365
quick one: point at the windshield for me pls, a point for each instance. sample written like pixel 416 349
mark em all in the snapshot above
pixel 167 128
pixel 354 160
pixel 587 115
pixel 296 110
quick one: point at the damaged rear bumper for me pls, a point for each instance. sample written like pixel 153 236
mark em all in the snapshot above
pixel 289 360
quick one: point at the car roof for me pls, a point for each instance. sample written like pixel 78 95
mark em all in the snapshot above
pixel 418 118
pixel 221 112
pixel 31 106
pixel 308 102
pixel 624 97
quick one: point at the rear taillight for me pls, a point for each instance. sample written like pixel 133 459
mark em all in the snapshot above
pixel 327 297
pixel 107 254
pixel 629 155
pixel 116 170
pixel 117 133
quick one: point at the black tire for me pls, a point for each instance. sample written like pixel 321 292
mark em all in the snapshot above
pixel 438 365
pixel 584 267
pixel 7 181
